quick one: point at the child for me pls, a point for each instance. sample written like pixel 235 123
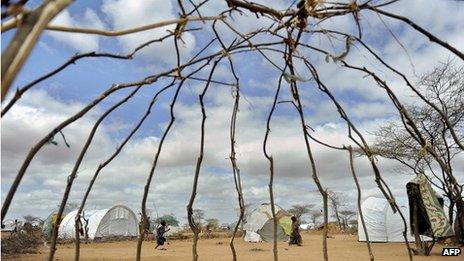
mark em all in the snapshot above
pixel 160 239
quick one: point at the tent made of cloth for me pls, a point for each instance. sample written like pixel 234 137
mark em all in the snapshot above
pixel 47 227
pixel 260 224
pixel 431 218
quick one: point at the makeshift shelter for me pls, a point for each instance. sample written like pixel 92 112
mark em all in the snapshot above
pixel 423 201
pixel 116 221
pixel 381 223
pixel 47 227
pixel 260 224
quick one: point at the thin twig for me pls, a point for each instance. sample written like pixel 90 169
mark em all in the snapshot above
pixel 418 28
pixel 192 223
pixel 358 188
pixel 271 162
pixel 59 28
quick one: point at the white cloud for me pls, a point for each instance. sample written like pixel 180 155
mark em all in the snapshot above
pixel 45 180
pixel 80 42
pixel 128 14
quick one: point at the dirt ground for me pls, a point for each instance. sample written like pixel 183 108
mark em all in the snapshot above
pixel 341 247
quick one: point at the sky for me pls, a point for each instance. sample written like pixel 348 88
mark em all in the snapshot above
pixel 122 181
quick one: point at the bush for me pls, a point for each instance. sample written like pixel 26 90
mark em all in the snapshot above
pixel 21 243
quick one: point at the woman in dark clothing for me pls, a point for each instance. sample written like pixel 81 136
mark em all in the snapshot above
pixel 160 239
pixel 295 237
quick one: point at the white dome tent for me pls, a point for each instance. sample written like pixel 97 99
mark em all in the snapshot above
pixel 382 224
pixel 116 221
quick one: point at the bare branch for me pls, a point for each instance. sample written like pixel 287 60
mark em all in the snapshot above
pixel 429 35
pixel 195 227
pixel 25 38
pixel 77 164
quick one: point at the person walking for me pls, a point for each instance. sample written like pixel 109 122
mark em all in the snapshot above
pixel 295 237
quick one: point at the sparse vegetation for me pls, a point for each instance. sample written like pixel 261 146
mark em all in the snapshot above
pixel 21 243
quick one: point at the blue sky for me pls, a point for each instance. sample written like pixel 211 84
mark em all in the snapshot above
pixel 53 100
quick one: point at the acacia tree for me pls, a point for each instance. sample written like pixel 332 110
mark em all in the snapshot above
pixel 336 202
pixel 315 215
pixel 444 88
pixel 287 35
pixel 212 223
pixel 198 216
pixel 299 210
pixel 170 219
pixel 346 217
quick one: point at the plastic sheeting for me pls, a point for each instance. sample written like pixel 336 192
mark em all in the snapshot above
pixel 267 232
pixel 382 224
pixel 285 223
pixel 116 221
pixel 260 225
pixel 47 227
pixel 251 236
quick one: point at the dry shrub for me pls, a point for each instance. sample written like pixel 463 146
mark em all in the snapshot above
pixel 20 243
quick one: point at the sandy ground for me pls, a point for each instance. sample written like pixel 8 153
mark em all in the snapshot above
pixel 341 247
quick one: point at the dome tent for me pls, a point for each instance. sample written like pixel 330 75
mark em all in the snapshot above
pixel 381 223
pixel 260 224
pixel 116 221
